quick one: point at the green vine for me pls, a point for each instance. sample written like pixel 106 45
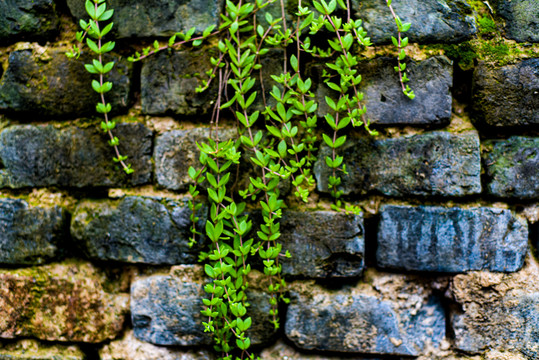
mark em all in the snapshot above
pixel 279 142
pixel 97 11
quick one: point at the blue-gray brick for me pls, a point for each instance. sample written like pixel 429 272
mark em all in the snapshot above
pixel 430 238
pixel 30 235
pixel 137 230
pixel 385 315
pixel 165 309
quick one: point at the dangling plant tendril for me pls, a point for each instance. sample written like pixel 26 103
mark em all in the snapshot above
pixel 284 151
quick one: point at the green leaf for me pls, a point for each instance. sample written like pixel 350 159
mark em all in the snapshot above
pixel 331 103
pixel 92 45
pixel 282 148
pixel 328 140
pixel 294 62
pixel 90 68
pixel 108 66
pixel 107 29
pixel 90 9
pixel 100 10
pixel 106 15
pixel 395 41
pixel 404 42
pixel 340 141
pixel 96 86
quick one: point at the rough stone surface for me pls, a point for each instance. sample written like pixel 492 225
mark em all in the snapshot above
pixel 497 311
pixel 138 18
pixel 450 239
pixel 175 151
pixel 433 21
pixel 521 19
pixel 385 102
pixel 47 84
pixel 60 302
pixel 30 235
pixel 27 19
pixel 506 96
pixel 165 309
pixel 130 348
pixel 72 157
pixel 283 351
pixel 137 230
pixel 386 314
pixel 169 81
pixel 35 350
pixel 512 167
pixel 436 163
pixel 322 244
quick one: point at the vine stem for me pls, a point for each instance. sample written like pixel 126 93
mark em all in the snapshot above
pixel 125 167
pixel 399 47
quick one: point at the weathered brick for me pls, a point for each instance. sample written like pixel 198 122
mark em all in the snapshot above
pixel 322 244
pixel 30 235
pixel 27 20
pixel 35 156
pixel 138 18
pixel 36 350
pixel 496 311
pixel 430 238
pixel 175 151
pixel 384 314
pixel 512 167
pixel 137 230
pixel 520 19
pixel 130 348
pixel 40 84
pixel 60 302
pixel 383 97
pixel 506 96
pixel 165 309
pixel 436 163
pixel 433 21
pixel 169 81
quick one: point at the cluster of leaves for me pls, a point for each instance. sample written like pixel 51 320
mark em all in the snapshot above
pixel 278 139
pixel 93 34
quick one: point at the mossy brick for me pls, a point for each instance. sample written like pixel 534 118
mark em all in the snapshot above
pixel 512 167
pixel 36 350
pixel 384 314
pixel 59 302
pixel 323 244
pixel 169 81
pixel 30 235
pixel 496 311
pixel 506 96
pixel 433 21
pixel 387 105
pixel 38 156
pixel 455 240
pixel 48 85
pixel 165 309
pixel 143 19
pixel 431 164
pixel 137 229
pixel 520 19
pixel 28 20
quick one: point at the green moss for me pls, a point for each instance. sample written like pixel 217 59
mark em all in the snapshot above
pixel 487 26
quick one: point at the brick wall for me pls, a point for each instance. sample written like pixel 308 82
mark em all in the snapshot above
pixel 441 264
